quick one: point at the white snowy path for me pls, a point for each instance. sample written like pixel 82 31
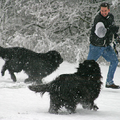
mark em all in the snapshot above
pixel 17 102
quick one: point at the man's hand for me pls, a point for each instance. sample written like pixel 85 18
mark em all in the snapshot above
pixel 114 29
pixel 117 37
pixel 118 40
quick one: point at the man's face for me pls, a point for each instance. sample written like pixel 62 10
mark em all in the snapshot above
pixel 104 11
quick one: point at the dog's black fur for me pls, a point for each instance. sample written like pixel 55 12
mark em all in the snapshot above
pixel 35 65
pixel 70 89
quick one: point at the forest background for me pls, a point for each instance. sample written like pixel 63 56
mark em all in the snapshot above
pixel 43 25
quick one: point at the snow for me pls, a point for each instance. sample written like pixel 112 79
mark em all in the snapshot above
pixel 17 102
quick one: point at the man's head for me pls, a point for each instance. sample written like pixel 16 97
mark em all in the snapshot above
pixel 104 9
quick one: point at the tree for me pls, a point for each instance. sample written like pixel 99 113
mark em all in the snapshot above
pixel 42 25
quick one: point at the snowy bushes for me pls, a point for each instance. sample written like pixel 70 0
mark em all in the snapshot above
pixel 42 25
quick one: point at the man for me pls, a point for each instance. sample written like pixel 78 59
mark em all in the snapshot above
pixel 101 36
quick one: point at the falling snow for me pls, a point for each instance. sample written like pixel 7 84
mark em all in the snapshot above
pixel 17 102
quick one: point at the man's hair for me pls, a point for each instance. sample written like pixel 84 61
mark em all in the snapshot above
pixel 105 4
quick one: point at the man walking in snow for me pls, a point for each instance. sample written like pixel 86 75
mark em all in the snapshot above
pixel 101 36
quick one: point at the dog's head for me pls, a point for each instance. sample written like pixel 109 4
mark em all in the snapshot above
pixel 54 57
pixel 89 69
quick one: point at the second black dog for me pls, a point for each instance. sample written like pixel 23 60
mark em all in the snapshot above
pixel 71 89
pixel 35 65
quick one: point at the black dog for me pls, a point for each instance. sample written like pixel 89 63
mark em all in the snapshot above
pixel 35 65
pixel 70 89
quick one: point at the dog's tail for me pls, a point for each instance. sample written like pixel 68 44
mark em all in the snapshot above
pixel 40 88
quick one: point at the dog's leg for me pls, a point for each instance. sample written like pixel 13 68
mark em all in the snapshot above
pixel 53 106
pixel 70 108
pixel 29 80
pixel 39 80
pixel 95 107
pixel 4 68
pixel 90 106
pixel 87 105
pixel 13 77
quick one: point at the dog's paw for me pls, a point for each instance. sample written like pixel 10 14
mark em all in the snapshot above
pixel 95 107
pixel 52 111
pixel 90 107
pixel 2 73
pixel 87 106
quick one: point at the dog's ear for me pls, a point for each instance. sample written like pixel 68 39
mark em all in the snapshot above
pixel 81 67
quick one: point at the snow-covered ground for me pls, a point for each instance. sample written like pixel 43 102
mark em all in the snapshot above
pixel 17 102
